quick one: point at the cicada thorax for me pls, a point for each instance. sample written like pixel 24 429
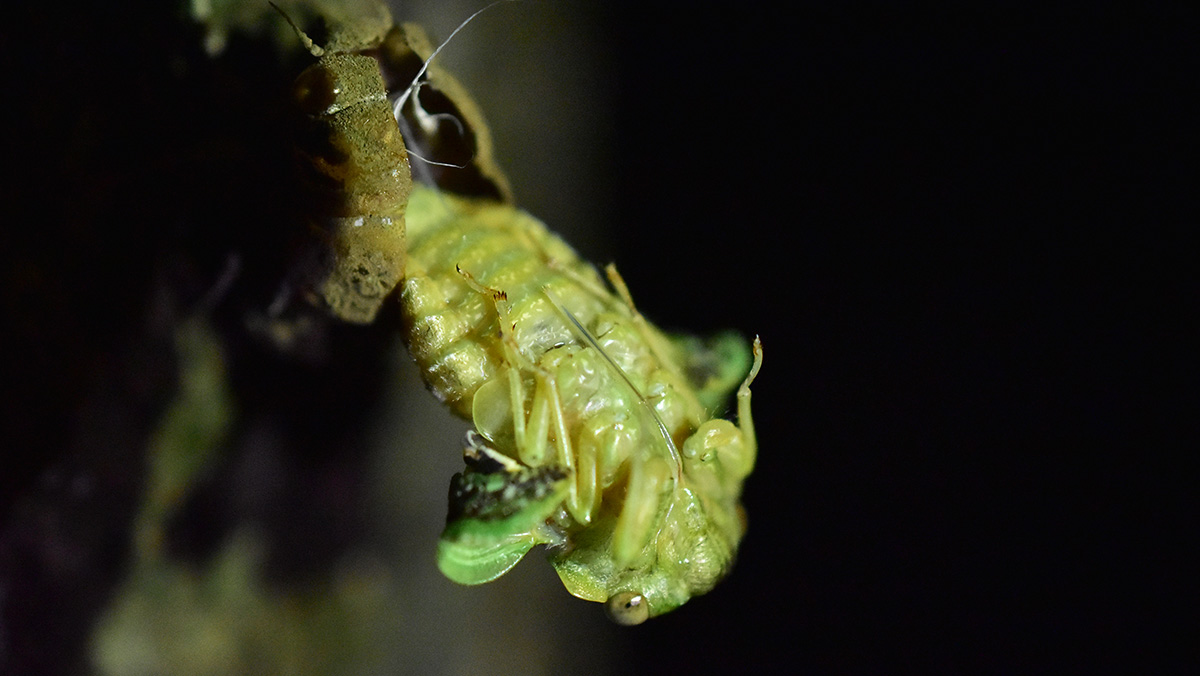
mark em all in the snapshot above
pixel 355 182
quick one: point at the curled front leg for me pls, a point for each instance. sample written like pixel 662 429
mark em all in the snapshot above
pixel 649 481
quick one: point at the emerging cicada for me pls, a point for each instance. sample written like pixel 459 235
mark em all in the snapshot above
pixel 592 431
pixel 595 432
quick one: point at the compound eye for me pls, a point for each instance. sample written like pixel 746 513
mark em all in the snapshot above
pixel 627 608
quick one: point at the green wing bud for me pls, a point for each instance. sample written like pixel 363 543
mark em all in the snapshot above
pixel 499 510
pixel 714 366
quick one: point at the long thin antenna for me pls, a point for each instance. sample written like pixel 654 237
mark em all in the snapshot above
pixel 403 98
pixel 591 341
pixel 312 47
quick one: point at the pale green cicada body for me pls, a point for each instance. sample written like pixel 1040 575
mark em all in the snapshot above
pixel 595 430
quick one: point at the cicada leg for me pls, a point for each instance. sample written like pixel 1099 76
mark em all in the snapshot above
pixel 547 408
pixel 735 446
pixel 658 343
pixel 512 355
pixel 532 434
pixel 745 419
pixel 590 283
pixel 566 454
pixel 586 477
pixel 602 446
pixel 649 481
pixel 653 339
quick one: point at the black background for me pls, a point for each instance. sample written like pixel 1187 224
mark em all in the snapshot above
pixel 957 233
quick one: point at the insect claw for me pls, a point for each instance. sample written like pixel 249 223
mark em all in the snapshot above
pixel 483 458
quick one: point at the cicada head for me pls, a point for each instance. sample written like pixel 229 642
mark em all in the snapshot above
pixel 684 535
pixel 651 550
pixel 658 540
